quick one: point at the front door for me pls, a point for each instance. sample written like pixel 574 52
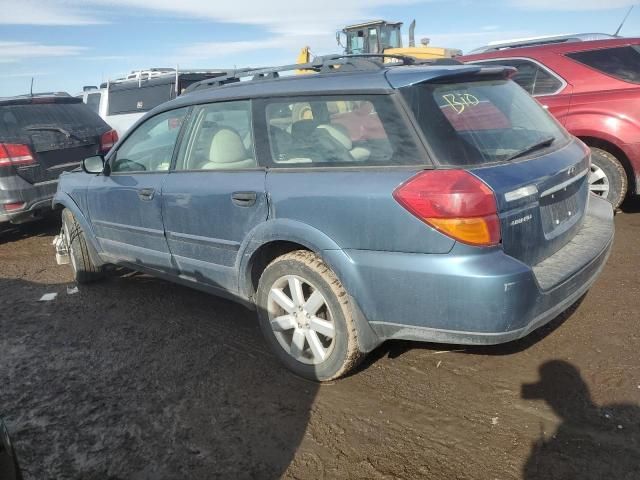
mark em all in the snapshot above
pixel 215 196
pixel 126 206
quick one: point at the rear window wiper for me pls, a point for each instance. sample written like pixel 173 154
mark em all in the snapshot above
pixel 53 128
pixel 544 142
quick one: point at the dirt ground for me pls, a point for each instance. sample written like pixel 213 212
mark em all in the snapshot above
pixel 138 378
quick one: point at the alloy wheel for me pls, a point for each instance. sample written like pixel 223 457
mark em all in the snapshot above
pixel 301 319
pixel 598 182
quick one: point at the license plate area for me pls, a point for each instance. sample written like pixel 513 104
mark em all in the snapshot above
pixel 562 208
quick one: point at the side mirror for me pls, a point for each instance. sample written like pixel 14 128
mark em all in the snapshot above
pixel 93 165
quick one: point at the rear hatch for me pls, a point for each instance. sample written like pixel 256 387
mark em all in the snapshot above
pixel 60 131
pixel 484 123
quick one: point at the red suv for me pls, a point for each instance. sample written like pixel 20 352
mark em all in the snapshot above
pixel 593 89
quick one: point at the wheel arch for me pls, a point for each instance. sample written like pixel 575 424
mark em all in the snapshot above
pixel 63 200
pixel 617 152
pixel 271 239
pixel 277 237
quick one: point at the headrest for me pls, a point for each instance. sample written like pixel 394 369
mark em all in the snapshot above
pixel 227 147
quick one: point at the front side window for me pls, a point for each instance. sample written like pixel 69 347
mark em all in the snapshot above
pixel 219 138
pixel 339 131
pixel 150 147
pixel 622 63
pixel 530 76
pixel 481 122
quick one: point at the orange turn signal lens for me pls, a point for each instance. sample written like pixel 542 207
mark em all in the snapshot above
pixel 483 231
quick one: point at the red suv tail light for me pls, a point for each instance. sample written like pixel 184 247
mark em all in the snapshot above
pixel 15 154
pixel 454 202
pixel 108 140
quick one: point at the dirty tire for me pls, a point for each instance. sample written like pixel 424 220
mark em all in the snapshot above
pixel 345 354
pixel 615 173
pixel 84 270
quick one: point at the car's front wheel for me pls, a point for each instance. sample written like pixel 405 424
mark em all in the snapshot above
pixel 84 270
pixel 607 177
pixel 305 317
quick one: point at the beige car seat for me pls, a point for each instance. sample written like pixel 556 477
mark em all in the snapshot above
pixel 228 152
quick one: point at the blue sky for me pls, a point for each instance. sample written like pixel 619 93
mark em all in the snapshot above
pixel 66 44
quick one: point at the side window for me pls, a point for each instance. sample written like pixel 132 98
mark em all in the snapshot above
pixel 130 98
pixel 150 147
pixel 93 102
pixel 622 63
pixel 530 76
pixel 219 138
pixel 339 131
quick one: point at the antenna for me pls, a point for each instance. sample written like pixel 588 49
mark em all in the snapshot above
pixel 623 21
pixel 31 89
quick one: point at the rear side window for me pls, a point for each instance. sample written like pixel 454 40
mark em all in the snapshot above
pixel 622 63
pixel 21 120
pixel 482 122
pixel 339 131
pixel 535 79
pixel 136 99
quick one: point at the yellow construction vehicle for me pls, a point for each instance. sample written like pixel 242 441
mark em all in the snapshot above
pixel 380 36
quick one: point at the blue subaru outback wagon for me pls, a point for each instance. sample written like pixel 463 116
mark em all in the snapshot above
pixel 366 202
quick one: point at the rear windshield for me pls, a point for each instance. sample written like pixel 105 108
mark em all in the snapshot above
pixel 349 130
pixel 18 120
pixel 476 123
pixel 622 63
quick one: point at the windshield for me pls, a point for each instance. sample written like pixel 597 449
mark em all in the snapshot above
pixel 476 123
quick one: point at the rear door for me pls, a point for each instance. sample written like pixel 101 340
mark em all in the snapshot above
pixel 60 133
pixel 125 206
pixel 216 194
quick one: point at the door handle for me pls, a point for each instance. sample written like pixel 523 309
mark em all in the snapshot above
pixel 244 199
pixel 146 194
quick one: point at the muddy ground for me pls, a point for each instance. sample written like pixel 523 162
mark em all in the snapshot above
pixel 138 378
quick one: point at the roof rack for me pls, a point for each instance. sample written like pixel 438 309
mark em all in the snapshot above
pixel 320 64
pixel 542 40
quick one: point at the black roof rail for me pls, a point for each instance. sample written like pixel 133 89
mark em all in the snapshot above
pixel 320 64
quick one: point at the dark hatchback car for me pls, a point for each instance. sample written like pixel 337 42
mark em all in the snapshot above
pixel 371 202
pixel 41 136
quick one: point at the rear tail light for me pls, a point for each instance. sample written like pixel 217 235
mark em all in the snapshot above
pixel 108 140
pixel 454 202
pixel 15 154
pixel 12 207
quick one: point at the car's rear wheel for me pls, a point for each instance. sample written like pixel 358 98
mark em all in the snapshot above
pixel 305 317
pixel 84 270
pixel 607 177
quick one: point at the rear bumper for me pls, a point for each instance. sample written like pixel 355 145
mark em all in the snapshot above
pixel 484 297
pixel 37 198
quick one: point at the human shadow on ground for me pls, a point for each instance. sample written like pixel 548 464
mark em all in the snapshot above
pixel 592 442
pixel 136 377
